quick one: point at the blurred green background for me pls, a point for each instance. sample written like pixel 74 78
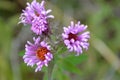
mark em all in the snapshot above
pixel 103 56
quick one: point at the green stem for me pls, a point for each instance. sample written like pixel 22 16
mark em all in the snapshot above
pixel 50 69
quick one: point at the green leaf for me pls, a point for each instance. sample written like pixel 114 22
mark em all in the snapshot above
pixel 61 49
pixel 58 74
pixel 67 65
pixel 22 53
pixel 75 60
pixel 44 69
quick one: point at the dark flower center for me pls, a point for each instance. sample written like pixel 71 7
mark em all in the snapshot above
pixel 72 36
pixel 40 53
pixel 37 14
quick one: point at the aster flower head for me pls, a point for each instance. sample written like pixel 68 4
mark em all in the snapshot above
pixel 36 15
pixel 37 53
pixel 76 38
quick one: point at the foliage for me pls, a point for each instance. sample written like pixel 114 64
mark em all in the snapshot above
pixel 103 20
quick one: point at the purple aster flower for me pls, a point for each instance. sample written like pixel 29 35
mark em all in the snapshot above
pixel 37 54
pixel 36 15
pixel 75 37
pixel 39 26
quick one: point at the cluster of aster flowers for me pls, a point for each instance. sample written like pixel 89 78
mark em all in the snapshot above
pixel 36 16
pixel 75 37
